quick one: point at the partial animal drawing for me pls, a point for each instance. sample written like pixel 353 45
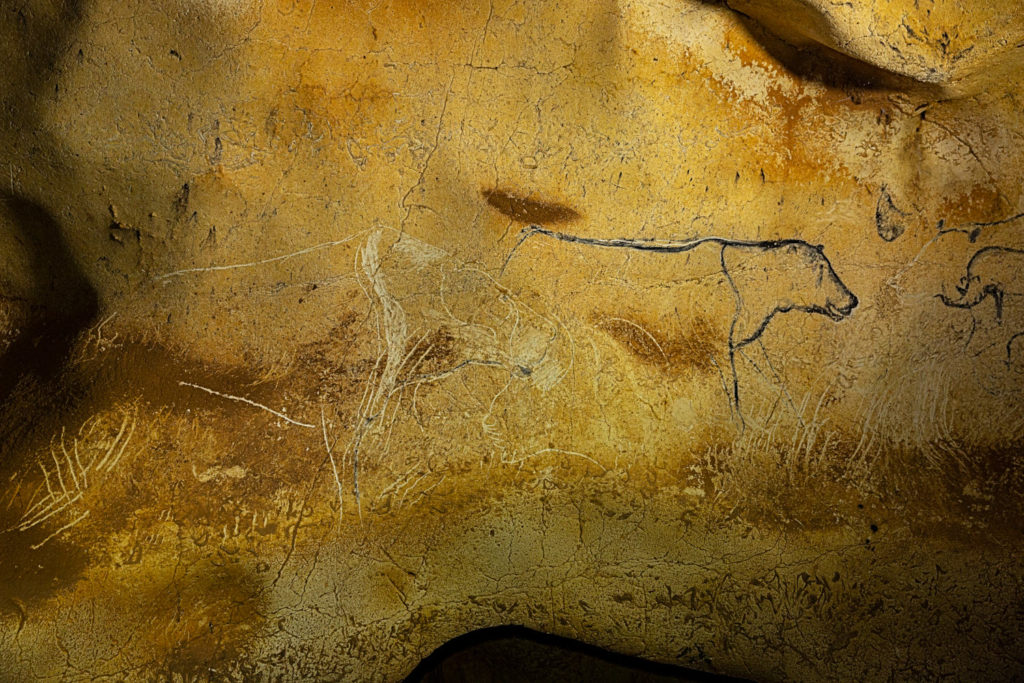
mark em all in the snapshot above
pixel 888 218
pixel 767 277
pixel 428 307
pixel 974 230
pixel 998 273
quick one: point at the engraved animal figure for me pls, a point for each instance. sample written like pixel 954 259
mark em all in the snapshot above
pixel 767 277
pixel 997 273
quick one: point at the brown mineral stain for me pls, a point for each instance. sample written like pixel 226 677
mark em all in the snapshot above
pixel 693 349
pixel 435 354
pixel 801 87
pixel 155 373
pixel 799 146
pixel 750 53
pixel 981 203
pixel 526 210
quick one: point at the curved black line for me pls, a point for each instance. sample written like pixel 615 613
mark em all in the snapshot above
pixel 663 246
pixel 733 347
pixel 986 290
pixel 989 250
pixel 1009 347
pixel 680 246
pixel 973 230
pixel 973 291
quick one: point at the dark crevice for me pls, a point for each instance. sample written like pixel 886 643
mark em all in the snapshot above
pixel 510 654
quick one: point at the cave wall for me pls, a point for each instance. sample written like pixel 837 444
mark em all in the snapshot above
pixel 330 331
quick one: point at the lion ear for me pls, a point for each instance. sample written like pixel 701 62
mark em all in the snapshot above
pixel 820 248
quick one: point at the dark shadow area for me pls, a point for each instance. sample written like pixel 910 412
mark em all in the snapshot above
pixel 514 654
pixel 809 60
pixel 59 306
pixel 37 35
pixel 821 64
pixel 61 302
pixel 51 313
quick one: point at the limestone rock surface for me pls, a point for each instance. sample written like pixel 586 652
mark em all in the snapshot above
pixel 330 331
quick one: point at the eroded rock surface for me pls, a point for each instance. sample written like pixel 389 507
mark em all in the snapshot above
pixel 330 331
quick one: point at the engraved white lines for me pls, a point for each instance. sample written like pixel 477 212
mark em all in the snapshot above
pixel 334 465
pixel 247 401
pixel 261 262
pixel 69 474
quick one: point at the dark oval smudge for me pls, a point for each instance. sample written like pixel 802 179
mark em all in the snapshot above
pixel 528 210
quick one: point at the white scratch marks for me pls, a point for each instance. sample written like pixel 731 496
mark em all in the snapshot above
pixel 75 471
pixel 334 465
pixel 242 399
pixel 64 528
pixel 516 461
pixel 261 262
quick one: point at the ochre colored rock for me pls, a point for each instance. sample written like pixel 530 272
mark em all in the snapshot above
pixel 330 331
